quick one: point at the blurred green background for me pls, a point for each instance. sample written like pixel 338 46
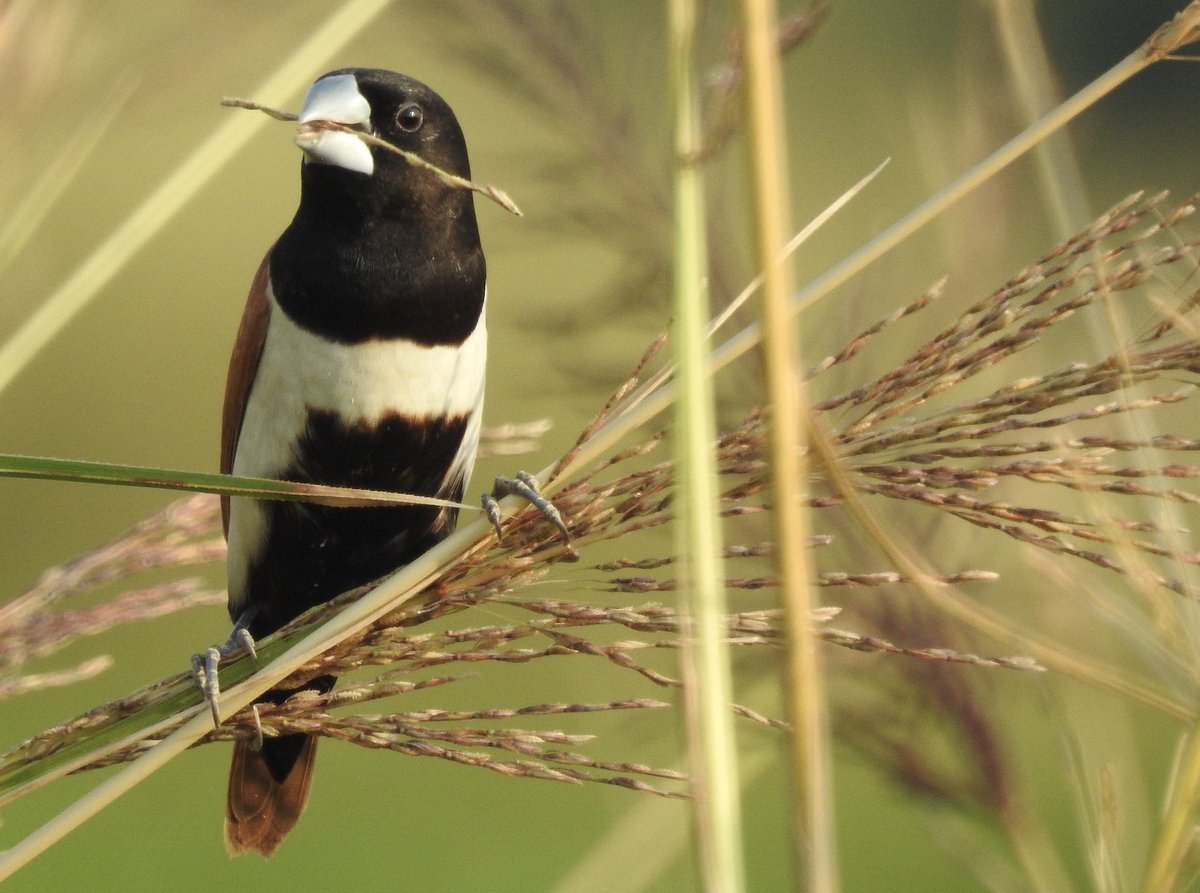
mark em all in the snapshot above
pixel 575 297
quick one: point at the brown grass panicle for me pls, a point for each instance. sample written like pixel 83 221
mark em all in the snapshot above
pixel 948 434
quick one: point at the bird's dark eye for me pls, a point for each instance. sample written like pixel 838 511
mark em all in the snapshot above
pixel 410 117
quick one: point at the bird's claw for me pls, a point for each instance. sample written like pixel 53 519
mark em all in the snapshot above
pixel 205 667
pixel 245 642
pixel 524 485
pixel 204 672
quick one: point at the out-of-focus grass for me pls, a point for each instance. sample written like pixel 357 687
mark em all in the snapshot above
pixel 138 377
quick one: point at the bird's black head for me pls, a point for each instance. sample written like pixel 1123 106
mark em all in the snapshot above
pixel 380 247
pixel 394 108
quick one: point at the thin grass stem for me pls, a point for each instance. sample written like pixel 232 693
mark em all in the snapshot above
pixel 712 743
pixel 809 761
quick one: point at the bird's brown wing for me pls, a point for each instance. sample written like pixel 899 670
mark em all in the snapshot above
pixel 243 366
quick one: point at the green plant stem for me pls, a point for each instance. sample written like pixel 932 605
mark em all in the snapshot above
pixel 712 742
pixel 810 764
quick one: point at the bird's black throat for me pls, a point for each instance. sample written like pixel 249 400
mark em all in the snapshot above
pixel 353 268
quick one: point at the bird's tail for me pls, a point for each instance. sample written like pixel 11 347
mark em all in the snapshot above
pixel 268 790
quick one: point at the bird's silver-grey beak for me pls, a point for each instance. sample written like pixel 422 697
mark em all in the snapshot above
pixel 335 99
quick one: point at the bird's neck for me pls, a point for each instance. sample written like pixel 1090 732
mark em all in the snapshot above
pixel 413 273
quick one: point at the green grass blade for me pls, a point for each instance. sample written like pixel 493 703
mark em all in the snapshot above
pixel 79 471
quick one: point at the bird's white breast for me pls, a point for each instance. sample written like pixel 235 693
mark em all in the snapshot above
pixel 363 382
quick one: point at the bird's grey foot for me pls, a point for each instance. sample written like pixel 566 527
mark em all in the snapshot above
pixel 205 666
pixel 524 485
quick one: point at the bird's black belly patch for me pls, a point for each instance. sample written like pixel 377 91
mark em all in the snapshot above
pixel 311 553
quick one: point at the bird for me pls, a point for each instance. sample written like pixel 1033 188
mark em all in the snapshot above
pixel 359 362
